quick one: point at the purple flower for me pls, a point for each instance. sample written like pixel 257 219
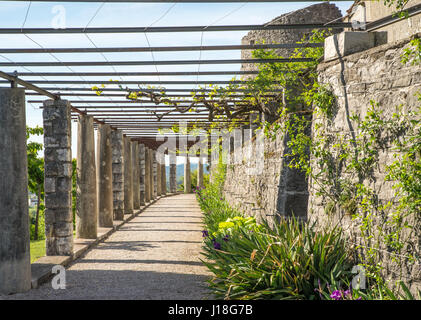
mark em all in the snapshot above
pixel 205 233
pixel 217 245
pixel 336 295
pixel 226 238
pixel 359 298
pixel 347 292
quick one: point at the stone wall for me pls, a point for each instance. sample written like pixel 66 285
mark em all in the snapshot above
pixel 258 182
pixel 370 11
pixel 355 79
pixel 273 189
pixel 375 74
pixel 317 13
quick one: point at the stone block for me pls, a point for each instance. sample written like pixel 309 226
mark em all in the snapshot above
pixel 348 42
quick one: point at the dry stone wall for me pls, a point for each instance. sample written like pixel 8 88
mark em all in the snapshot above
pixel 273 189
pixel 376 74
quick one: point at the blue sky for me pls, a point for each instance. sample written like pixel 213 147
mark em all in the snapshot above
pixel 12 15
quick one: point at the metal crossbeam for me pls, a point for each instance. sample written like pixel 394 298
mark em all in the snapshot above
pixel 162 49
pixel 135 74
pixel 172 1
pixel 157 90
pixel 148 63
pixel 285 26
pixel 136 82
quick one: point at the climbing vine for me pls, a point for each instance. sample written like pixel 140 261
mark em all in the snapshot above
pixel 343 169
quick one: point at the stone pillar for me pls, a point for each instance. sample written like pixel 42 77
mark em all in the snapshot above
pixel 147 174
pixel 154 175
pixel 15 261
pixel 86 191
pixel 58 178
pixel 105 177
pixel 150 174
pixel 173 173
pixel 163 176
pixel 142 174
pixel 128 177
pixel 187 178
pixel 135 169
pixel 158 174
pixel 200 173
pixel 117 143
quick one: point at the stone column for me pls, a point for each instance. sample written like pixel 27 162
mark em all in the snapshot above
pixel 173 173
pixel 154 175
pixel 15 261
pixel 200 173
pixel 117 143
pixel 86 191
pixel 158 173
pixel 187 178
pixel 128 177
pixel 147 175
pixel 105 177
pixel 135 169
pixel 58 178
pixel 142 174
pixel 163 176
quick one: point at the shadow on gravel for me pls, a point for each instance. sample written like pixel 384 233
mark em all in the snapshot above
pixel 122 285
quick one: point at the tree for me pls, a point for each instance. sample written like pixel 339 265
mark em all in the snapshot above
pixel 35 171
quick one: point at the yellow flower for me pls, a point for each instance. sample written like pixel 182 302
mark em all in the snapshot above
pixel 226 225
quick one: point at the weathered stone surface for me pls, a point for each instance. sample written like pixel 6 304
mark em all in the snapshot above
pixel 147 174
pixel 154 175
pixel 375 74
pixel 57 177
pixel 317 13
pixel 135 174
pixel 86 185
pixel 173 173
pixel 348 42
pixel 128 177
pixel 117 147
pixel 158 174
pixel 105 177
pixel 15 262
pixel 200 173
pixel 187 177
pixel 142 173
pixel 163 178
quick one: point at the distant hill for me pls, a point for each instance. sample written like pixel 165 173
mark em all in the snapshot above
pixel 180 171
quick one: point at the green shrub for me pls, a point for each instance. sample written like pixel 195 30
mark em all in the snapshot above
pixel 256 261
pixel 287 261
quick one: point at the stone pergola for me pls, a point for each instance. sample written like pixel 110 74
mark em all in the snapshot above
pixel 121 175
pixel 127 170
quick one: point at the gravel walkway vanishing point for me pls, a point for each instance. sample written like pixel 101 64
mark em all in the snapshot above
pixel 154 256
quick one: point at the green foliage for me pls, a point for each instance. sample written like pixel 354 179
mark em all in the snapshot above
pixel 256 261
pixel 412 54
pixel 37 249
pixel 378 293
pixel 36 181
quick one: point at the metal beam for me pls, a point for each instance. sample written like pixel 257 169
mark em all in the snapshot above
pixel 148 63
pixel 93 94
pixel 173 1
pixel 161 49
pixel 136 82
pixel 141 89
pixel 284 26
pixel 135 74
pixel 27 85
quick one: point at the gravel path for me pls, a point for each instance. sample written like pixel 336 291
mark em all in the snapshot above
pixel 154 256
